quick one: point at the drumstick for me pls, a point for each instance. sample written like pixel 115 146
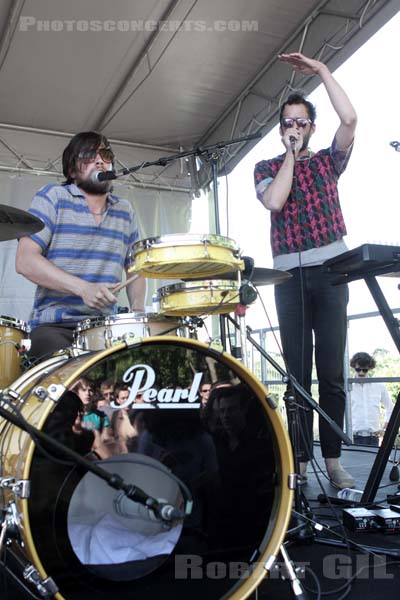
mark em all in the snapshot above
pixel 121 286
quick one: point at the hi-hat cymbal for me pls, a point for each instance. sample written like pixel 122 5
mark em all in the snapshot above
pixel 15 223
pixel 260 276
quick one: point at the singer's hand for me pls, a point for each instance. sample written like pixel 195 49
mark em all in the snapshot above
pixel 302 63
pixel 287 137
pixel 97 295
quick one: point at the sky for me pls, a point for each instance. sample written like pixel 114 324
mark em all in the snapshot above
pixel 368 190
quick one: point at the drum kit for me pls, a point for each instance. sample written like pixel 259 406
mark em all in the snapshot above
pixel 70 526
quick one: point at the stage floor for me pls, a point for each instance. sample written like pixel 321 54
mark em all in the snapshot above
pixel 367 571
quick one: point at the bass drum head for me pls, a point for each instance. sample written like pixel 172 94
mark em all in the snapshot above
pixel 232 457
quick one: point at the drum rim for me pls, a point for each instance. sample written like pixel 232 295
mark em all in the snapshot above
pixel 208 284
pixel 185 239
pixel 16 323
pixel 284 496
pixel 90 323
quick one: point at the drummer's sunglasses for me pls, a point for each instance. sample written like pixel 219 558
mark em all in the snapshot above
pixel 105 153
pixel 288 122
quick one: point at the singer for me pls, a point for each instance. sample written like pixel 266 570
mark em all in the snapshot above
pixel 79 256
pixel 299 188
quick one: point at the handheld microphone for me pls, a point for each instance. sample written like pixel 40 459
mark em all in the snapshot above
pixel 292 140
pixel 98 176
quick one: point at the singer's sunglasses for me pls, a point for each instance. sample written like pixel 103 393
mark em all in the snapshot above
pixel 105 154
pixel 361 370
pixel 288 122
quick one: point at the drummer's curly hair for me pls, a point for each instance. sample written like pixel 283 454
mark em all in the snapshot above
pixel 85 141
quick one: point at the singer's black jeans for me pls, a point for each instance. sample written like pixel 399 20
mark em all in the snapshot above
pixel 322 312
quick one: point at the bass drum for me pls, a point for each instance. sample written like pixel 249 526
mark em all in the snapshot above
pixel 230 461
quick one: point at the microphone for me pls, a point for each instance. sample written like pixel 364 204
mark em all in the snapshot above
pixel 292 140
pixel 98 176
pixel 153 509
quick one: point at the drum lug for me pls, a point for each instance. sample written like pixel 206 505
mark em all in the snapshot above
pixel 12 394
pixel 269 563
pixel 54 392
pixel 20 488
pixel 45 587
pixel 130 338
pixel 292 481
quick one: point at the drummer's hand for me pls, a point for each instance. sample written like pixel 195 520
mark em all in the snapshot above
pixel 98 295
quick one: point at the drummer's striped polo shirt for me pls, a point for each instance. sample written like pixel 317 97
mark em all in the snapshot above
pixel 72 241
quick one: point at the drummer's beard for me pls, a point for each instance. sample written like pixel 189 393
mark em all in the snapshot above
pixel 96 188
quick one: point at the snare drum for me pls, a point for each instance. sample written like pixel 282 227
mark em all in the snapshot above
pixel 100 333
pixel 79 538
pixel 12 332
pixel 194 298
pixel 178 256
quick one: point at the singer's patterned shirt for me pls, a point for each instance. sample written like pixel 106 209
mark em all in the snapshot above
pixel 73 241
pixel 311 217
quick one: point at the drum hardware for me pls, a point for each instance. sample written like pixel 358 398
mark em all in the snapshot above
pixel 45 587
pixel 10 524
pixel 20 488
pixel 16 223
pixel 291 574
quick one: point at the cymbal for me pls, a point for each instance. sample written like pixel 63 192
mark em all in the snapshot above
pixel 264 276
pixel 260 276
pixel 15 223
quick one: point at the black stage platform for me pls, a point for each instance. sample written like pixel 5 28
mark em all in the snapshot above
pixel 369 567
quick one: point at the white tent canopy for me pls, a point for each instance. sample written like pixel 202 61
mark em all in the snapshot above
pixel 160 76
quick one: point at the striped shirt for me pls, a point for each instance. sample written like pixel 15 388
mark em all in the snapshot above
pixel 73 241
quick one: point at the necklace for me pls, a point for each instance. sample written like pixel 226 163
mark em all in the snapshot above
pixel 98 213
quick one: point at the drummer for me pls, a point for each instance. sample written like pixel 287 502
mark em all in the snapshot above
pixel 79 256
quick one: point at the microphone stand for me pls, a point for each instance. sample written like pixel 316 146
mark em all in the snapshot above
pixel 112 479
pixel 212 153
pixel 302 528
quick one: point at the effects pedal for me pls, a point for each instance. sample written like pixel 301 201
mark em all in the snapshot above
pixel 388 520
pixel 359 519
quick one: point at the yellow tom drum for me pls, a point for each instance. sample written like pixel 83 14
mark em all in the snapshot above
pixel 73 536
pixel 179 256
pixel 195 298
pixel 12 333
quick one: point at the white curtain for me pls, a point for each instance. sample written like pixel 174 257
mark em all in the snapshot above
pixel 159 212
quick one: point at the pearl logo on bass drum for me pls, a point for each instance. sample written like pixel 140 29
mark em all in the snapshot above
pixel 142 378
